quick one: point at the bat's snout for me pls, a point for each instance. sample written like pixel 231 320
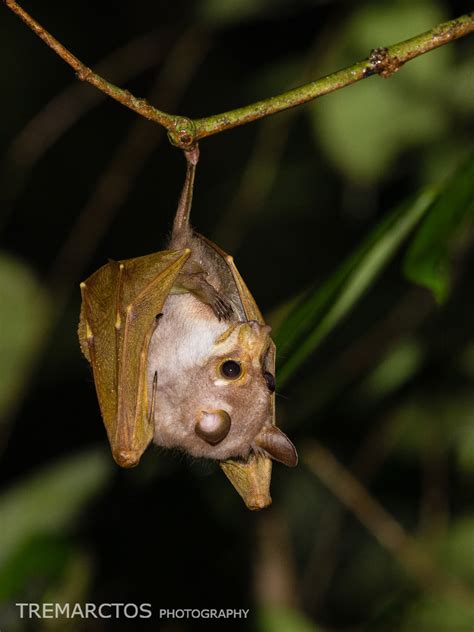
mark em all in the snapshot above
pixel 213 426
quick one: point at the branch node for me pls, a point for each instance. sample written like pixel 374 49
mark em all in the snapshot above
pixel 84 74
pixel 381 62
pixel 183 133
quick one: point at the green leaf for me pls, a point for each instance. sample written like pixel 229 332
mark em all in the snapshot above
pixel 365 128
pixel 230 11
pixel 49 500
pixel 321 310
pixel 40 559
pixel 276 619
pixel 395 369
pixel 427 260
pixel 383 24
pixel 23 317
pixel 465 450
pixel 457 548
pixel 460 418
pixel 433 613
pixel 75 582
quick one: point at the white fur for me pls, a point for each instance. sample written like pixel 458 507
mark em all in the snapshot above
pixel 184 354
pixel 184 337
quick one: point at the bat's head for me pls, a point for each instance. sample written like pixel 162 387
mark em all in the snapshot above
pixel 222 404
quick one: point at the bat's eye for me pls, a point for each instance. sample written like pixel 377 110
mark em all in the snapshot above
pixel 270 380
pixel 230 369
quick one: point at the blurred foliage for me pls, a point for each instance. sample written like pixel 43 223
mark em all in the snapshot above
pixel 396 368
pixel 315 316
pixel 285 620
pixel 51 499
pixel 23 319
pixel 365 128
pixel 436 614
pixel 230 12
pixel 363 184
pixel 427 261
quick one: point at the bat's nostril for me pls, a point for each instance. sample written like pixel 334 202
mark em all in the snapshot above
pixel 213 426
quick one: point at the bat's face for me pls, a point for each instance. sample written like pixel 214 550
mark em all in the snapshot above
pixel 215 399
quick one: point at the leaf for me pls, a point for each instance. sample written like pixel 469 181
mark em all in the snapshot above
pixel 42 559
pixel 23 317
pixel 445 417
pixel 433 613
pixel 377 24
pixel 365 128
pixel 50 499
pixel 395 369
pixel 321 310
pixel 230 11
pixel 457 548
pixel 459 418
pixel 277 619
pixel 427 260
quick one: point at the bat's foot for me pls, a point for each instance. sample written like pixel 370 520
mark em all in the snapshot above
pixel 222 309
pixel 196 283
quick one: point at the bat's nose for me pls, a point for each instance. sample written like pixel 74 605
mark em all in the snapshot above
pixel 213 426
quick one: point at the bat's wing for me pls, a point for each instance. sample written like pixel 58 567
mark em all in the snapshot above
pixel 121 303
pixel 250 478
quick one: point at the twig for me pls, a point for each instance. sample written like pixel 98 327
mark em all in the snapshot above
pixel 389 533
pixel 434 505
pixel 325 555
pixel 110 192
pixel 118 178
pixel 366 352
pixel 382 61
pixel 184 132
pixel 84 73
pixel 66 108
pixel 275 576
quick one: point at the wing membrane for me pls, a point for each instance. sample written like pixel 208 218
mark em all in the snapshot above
pixel 120 303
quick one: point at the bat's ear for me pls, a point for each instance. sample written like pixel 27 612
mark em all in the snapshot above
pixel 277 445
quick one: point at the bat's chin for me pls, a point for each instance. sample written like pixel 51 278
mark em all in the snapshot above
pixel 221 452
pixel 217 437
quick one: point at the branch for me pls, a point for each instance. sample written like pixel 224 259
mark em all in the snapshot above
pixel 66 108
pixel 110 191
pixel 389 533
pixel 382 61
pixel 176 125
pixel 184 132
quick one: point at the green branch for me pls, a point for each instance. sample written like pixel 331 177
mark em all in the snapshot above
pixel 184 132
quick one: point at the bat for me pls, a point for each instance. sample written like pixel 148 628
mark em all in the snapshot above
pixel 181 356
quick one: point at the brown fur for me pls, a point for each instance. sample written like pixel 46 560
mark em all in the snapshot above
pixel 188 382
pixel 204 324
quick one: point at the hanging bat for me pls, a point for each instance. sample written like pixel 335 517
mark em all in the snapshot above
pixel 181 355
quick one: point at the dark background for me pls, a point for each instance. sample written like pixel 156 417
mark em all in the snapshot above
pixel 290 197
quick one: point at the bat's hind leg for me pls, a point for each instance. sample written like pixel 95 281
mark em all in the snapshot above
pixel 196 284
